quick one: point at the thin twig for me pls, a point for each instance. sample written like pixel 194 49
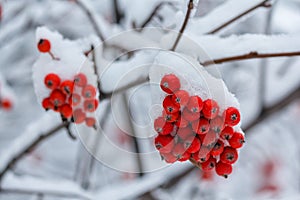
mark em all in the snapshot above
pixel 134 138
pixel 266 4
pixel 104 95
pixel 267 112
pixel 251 55
pixel 91 18
pixel 186 20
pixel 154 13
pixel 32 146
pixel 96 69
pixel 64 120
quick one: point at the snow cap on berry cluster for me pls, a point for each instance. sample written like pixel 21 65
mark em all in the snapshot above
pixel 194 78
pixel 71 61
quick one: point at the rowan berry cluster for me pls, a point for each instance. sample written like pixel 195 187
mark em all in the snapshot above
pixel 75 99
pixel 192 129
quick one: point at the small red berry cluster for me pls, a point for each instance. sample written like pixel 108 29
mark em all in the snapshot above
pixel 75 99
pixel 195 130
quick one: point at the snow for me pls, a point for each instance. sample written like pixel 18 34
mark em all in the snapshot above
pixel 31 134
pixel 69 64
pixel 220 15
pixel 37 185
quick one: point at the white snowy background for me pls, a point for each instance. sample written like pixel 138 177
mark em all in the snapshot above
pixel 63 169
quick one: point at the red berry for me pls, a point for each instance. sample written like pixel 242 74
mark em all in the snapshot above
pixel 74 100
pixel 185 132
pixel 90 121
pixel 209 164
pixel 189 116
pixel 67 87
pixel 178 150
pixel 223 169
pixel 80 80
pixel 217 124
pixel 181 122
pixel 52 81
pixel 170 117
pixel 210 139
pixel 185 156
pixel 164 143
pixel 195 104
pixel 201 127
pixel 6 104
pixel 210 109
pixel 237 140
pixel 78 116
pixel 169 105
pixel 66 110
pixel 46 103
pixel 229 155
pixel 57 98
pixel 89 92
pixel 162 127
pixel 90 105
pixel 203 154
pixel 168 157
pixel 232 116
pixel 170 83
pixel 227 133
pixel 192 144
pixel 218 148
pixel 181 97
pixel 44 45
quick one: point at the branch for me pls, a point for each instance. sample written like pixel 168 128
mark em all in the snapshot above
pixel 186 20
pixel 118 14
pixel 91 17
pixel 104 95
pixel 267 112
pixel 251 55
pixel 96 69
pixel 265 4
pixel 154 13
pixel 65 120
pixel 30 147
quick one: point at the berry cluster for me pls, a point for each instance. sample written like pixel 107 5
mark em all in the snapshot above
pixel 192 129
pixel 75 99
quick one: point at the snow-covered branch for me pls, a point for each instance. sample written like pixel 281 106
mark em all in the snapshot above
pixel 28 141
pixel 225 15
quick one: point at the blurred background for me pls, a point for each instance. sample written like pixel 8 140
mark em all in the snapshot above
pixel 59 168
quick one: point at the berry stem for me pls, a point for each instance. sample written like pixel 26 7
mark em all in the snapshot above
pixel 52 56
pixel 64 120
pixel 186 20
